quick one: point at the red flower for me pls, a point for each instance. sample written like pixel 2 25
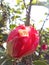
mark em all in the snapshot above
pixel 44 47
pixel 22 41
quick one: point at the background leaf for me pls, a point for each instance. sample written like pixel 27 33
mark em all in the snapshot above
pixel 18 1
pixel 34 1
pixel 12 26
pixel 39 62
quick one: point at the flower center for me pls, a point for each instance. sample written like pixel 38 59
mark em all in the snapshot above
pixel 23 32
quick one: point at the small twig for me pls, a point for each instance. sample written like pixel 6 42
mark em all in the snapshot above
pixel 43 24
pixel 40 35
pixel 42 29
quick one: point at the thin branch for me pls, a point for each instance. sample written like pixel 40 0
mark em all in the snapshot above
pixel 4 62
pixel 42 29
pixel 40 35
pixel 30 6
pixel 25 4
pixel 43 24
pixel 28 14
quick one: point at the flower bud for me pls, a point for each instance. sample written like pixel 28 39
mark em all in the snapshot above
pixel 44 47
pixel 22 41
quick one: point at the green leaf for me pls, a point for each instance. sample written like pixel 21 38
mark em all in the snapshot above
pixel 47 29
pixel 48 41
pixel 18 11
pixel 18 1
pixel 34 1
pixel 0 16
pixel 12 10
pixel 42 56
pixel 24 19
pixel 12 26
pixel 1 36
pixel 40 21
pixel 45 13
pixel 14 17
pixel 48 1
pixel 17 16
pixel 22 6
pixel 39 62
